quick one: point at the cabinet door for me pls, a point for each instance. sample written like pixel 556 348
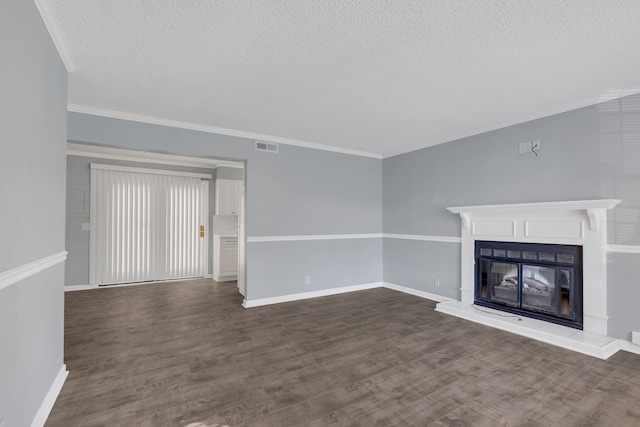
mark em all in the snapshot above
pixel 225 197
pixel 228 256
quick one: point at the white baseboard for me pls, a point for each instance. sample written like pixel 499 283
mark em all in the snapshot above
pixel 78 288
pixel 307 295
pixel 630 347
pixel 415 292
pixel 122 285
pixel 50 398
pixel 342 290
pixel 225 278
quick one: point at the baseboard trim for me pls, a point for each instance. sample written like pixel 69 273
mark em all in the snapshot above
pixel 415 292
pixel 72 288
pixel 342 290
pixel 9 277
pixel 630 347
pixel 308 295
pixel 50 398
pixel 224 278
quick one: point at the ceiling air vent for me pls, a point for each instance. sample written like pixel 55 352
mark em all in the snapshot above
pixel 270 147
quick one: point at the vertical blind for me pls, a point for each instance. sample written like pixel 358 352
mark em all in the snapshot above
pixel 145 225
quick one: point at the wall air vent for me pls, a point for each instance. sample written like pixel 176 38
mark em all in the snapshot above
pixel 270 147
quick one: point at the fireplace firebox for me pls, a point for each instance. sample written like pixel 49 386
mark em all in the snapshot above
pixel 542 281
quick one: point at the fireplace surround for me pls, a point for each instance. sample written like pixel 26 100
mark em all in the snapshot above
pixel 579 223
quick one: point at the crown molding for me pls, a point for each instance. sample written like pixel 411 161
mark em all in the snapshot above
pixel 83 109
pixel 51 23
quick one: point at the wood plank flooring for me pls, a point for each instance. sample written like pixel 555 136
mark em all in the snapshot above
pixel 187 354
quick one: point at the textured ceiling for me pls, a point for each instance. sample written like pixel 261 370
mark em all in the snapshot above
pixel 376 76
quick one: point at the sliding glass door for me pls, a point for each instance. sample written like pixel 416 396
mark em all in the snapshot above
pixel 146 224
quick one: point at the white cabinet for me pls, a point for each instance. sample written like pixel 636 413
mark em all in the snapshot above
pixel 228 195
pixel 225 258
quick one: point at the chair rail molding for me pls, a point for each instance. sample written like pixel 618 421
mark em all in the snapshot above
pixel 14 275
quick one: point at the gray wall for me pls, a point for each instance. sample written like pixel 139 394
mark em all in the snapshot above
pixel 589 153
pixel 77 240
pixel 32 189
pixel 298 191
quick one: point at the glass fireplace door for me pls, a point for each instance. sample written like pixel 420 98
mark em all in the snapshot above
pixel 537 280
pixel 539 289
pixel 504 283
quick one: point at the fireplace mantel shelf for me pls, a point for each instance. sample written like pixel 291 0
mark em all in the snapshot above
pixel 593 208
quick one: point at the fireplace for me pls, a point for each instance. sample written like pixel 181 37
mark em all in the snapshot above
pixel 542 281
pixel 556 228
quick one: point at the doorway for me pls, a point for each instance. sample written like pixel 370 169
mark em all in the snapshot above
pixel 81 223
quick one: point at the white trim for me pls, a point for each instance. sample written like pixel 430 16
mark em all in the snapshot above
pixel 261 239
pixel 307 295
pixel 630 347
pixel 100 152
pixel 446 239
pixel 425 238
pixel 72 288
pixel 150 171
pixel 415 292
pixel 225 278
pixel 50 398
pixel 56 35
pixel 589 205
pixel 480 130
pixel 212 129
pixel 342 290
pixel 9 277
pixel 624 249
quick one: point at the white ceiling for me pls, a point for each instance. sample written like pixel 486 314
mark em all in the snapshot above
pixel 380 77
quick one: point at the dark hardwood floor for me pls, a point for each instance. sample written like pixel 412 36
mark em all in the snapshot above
pixel 187 353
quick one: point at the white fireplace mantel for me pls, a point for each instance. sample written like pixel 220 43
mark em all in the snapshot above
pixel 595 210
pixel 580 222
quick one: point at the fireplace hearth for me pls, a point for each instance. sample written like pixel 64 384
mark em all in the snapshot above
pixel 542 281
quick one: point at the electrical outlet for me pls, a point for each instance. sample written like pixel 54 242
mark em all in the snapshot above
pixel 635 337
pixel 307 280
pixel 436 282
pixel 535 145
